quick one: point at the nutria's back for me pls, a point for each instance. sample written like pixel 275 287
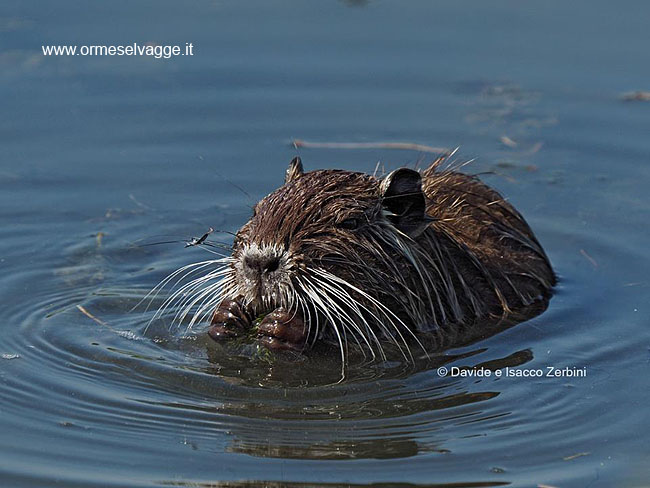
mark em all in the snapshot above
pixel 490 244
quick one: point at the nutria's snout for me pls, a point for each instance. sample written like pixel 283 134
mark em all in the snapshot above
pixel 261 270
pixel 348 258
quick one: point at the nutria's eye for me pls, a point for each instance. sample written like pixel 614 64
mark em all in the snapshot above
pixel 349 224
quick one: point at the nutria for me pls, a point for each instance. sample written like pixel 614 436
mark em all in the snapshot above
pixel 347 257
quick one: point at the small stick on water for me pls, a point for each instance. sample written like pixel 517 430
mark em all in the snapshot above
pixel 506 141
pixel 126 334
pixel 91 316
pixel 195 242
pixel 409 146
pixel 589 258
pixel 636 96
pixel 98 238
pixel 575 456
pixel 138 203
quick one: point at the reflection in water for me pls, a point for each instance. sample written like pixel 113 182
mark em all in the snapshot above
pixel 346 437
pixel 372 415
pixel 352 449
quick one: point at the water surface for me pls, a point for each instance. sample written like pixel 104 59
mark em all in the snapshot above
pixel 101 155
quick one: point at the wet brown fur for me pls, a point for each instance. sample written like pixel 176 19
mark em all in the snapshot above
pixel 471 259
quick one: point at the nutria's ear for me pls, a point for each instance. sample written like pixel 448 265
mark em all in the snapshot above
pixel 404 202
pixel 294 171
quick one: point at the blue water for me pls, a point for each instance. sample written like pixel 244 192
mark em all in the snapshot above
pixel 99 155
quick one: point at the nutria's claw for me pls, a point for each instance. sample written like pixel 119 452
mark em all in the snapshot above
pixel 282 330
pixel 230 320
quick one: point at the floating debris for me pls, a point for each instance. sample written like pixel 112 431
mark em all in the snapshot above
pixel 589 258
pixel 139 203
pixel 575 456
pixel 91 316
pixel 636 96
pixel 127 334
pixel 410 146
pixel 506 141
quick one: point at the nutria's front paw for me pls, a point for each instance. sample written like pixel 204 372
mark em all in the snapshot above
pixel 230 320
pixel 282 330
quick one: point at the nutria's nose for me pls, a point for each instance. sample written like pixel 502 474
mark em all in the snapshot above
pixel 262 264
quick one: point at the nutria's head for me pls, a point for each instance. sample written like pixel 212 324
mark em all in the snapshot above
pixel 335 246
